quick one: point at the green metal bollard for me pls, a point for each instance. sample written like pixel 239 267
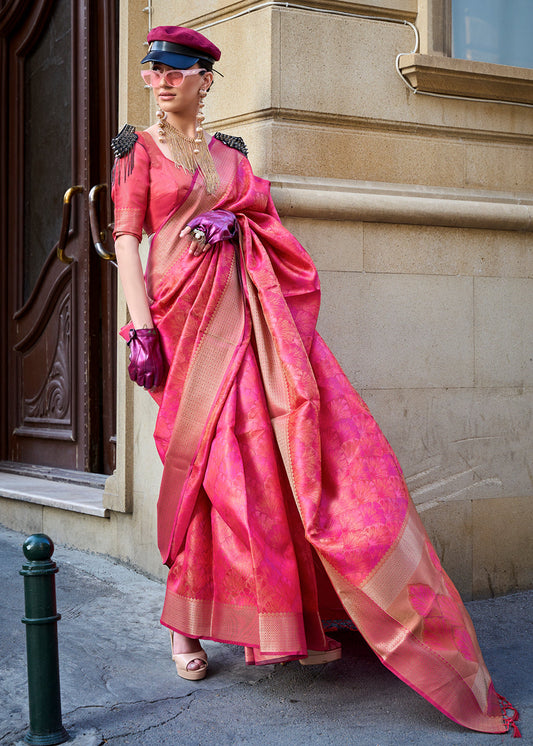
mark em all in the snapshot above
pixel 41 620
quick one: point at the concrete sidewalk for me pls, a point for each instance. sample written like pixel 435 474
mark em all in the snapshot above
pixel 119 684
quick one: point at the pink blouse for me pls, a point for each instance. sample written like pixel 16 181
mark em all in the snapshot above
pixel 145 198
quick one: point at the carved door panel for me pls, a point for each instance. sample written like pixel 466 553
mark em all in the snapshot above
pixel 58 338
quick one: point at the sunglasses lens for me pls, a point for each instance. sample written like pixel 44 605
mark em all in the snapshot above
pixel 149 77
pixel 174 77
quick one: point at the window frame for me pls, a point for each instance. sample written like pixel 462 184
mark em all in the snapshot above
pixel 441 27
pixel 433 69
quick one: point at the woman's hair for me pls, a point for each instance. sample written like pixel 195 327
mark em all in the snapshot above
pixel 207 64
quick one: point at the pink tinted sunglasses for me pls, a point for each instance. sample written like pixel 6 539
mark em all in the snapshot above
pixel 173 78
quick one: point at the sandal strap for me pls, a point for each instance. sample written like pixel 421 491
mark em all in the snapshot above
pixel 186 658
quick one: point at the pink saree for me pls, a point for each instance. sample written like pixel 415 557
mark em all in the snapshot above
pixel 282 504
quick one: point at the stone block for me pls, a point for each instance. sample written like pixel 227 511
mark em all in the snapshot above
pixel 316 150
pixel 138 539
pixel 85 532
pixel 457 445
pixel 502 546
pixel 508 166
pixel 430 250
pixel 503 310
pixel 21 516
pixel 249 85
pixel 335 246
pixel 352 78
pixel 399 331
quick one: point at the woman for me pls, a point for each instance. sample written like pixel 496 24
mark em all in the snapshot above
pixel 281 502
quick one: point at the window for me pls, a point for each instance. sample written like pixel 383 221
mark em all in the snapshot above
pixel 497 31
pixel 473 49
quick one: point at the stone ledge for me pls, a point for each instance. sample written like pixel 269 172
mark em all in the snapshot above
pixel 467 78
pixel 379 202
pixel 208 13
pixel 63 495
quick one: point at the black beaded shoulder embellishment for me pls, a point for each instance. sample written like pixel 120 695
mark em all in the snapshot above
pixel 124 141
pixel 233 142
pixel 122 145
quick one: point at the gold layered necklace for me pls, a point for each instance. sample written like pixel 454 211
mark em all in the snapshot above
pixel 190 153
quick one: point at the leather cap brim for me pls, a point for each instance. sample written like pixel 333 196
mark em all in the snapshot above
pixel 176 61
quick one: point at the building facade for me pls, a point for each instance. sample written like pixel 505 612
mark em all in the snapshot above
pixel 408 175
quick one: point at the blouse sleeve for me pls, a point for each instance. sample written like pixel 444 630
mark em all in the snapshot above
pixel 130 191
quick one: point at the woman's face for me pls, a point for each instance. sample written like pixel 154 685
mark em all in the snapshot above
pixel 182 99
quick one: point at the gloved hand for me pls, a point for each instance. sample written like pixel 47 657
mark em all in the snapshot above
pixel 211 227
pixel 147 365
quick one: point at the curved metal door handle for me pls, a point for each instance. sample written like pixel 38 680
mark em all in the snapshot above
pixel 65 226
pixel 98 235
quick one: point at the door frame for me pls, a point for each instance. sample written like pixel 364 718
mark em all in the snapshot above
pixel 94 108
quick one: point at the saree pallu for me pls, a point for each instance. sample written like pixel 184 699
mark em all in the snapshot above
pixel 281 501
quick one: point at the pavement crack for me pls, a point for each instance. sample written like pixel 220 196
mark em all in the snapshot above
pixel 11 733
pixel 114 705
pixel 160 723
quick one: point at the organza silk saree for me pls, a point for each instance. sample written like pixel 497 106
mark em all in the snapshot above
pixel 281 502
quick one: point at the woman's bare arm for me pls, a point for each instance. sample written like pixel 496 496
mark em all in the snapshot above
pixel 132 279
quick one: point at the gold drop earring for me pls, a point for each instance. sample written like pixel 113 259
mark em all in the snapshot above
pixel 161 116
pixel 190 153
pixel 200 118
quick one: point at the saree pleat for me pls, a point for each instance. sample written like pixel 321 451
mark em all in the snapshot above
pixel 273 463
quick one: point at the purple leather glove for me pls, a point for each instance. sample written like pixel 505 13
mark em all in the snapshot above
pixel 217 225
pixel 147 366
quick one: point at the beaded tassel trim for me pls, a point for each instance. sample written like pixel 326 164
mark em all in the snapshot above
pixel 123 149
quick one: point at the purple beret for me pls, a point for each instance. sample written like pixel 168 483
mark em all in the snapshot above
pixel 179 47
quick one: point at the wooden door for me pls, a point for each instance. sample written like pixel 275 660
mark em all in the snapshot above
pixel 57 377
